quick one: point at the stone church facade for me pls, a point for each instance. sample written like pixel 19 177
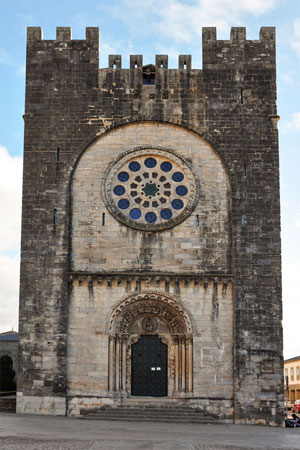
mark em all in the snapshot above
pixel 150 260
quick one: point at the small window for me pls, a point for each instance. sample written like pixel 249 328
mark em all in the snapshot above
pixel 298 373
pixel 242 96
pixel 55 217
pixel 286 372
pixel 292 374
pixel 149 75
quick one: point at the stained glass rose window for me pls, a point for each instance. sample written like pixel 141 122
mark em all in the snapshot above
pixel 150 188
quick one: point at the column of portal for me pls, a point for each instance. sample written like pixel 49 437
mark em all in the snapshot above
pixel 111 363
pixel 176 364
pixel 183 365
pixel 123 363
pixel 189 359
pixel 118 366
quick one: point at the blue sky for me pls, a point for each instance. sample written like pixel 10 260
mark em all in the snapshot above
pixel 149 27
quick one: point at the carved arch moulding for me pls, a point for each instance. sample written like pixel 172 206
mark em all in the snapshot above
pixel 160 314
pixel 153 304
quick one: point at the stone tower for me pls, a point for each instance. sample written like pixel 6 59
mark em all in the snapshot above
pixel 151 229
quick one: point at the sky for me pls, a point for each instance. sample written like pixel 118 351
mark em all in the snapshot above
pixel 149 27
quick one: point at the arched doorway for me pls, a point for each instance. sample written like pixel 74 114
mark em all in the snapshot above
pixel 149 364
pixel 150 347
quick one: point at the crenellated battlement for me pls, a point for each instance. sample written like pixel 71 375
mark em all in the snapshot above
pixel 215 52
pixel 40 50
pixel 161 62
pixel 63 34
pixel 238 49
pixel 237 35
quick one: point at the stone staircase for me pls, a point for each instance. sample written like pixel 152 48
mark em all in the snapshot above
pixel 133 410
pixel 8 403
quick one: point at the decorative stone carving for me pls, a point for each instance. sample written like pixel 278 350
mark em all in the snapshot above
pixel 151 312
pixel 156 308
pixel 150 188
pixel 149 324
pixel 150 304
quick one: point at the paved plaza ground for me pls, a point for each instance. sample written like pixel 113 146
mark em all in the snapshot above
pixel 27 432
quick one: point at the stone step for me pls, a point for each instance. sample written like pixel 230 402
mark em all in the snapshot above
pixel 158 411
pixel 141 418
pixel 151 414
pixel 159 417
pixel 148 413
pixel 156 408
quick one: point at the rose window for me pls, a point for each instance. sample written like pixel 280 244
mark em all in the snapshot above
pixel 150 188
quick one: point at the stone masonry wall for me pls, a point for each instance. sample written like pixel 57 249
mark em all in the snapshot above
pixel 231 103
pixel 209 307
pixel 201 243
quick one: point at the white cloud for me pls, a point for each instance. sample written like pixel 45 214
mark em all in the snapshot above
pixel 291 125
pixel 10 228
pixel 296 37
pixel 9 292
pixel 288 79
pixel 295 122
pixel 5 58
pixel 82 20
pixel 297 216
pixel 183 22
pixel 10 200
pixel 172 52
pixel 21 70
pixel 26 20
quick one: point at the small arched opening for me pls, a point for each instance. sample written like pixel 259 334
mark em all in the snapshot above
pixel 149 74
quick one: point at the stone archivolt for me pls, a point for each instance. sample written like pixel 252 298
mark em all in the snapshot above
pixel 159 314
pixel 154 304
pixel 154 308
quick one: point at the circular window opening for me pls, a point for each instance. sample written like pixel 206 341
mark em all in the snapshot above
pixel 150 188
